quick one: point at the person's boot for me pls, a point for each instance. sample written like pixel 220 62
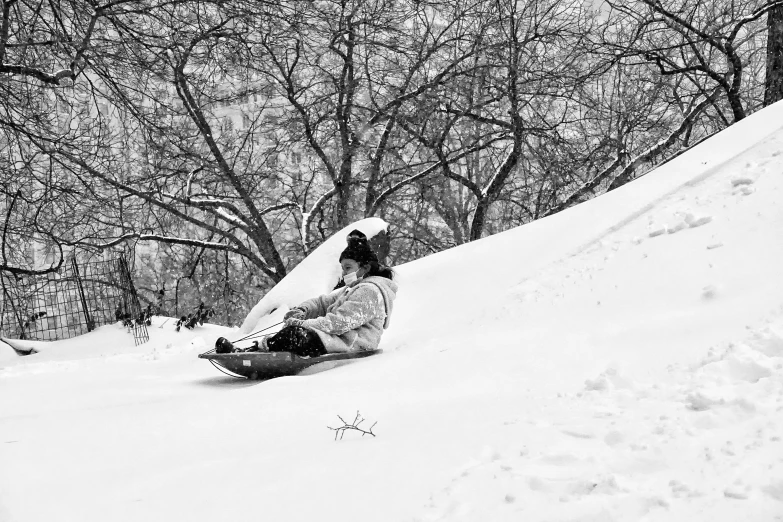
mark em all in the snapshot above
pixel 223 345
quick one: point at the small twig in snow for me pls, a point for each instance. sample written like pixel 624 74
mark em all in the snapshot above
pixel 340 431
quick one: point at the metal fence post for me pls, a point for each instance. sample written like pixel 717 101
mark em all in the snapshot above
pixel 87 318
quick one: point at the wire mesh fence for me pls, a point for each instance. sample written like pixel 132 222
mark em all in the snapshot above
pixel 78 298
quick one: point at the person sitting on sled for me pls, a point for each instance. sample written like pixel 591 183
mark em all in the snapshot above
pixel 350 318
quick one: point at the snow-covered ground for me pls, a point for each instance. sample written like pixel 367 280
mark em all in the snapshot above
pixel 619 361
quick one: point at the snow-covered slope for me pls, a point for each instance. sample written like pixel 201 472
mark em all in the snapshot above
pixel 620 361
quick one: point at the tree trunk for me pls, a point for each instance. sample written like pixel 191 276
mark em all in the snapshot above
pixel 381 244
pixel 773 86
pixel 479 219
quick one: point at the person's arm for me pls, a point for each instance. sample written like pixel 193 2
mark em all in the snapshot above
pixel 312 308
pixel 364 304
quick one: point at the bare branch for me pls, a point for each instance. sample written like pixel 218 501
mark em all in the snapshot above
pixel 426 172
pixel 340 430
pixel 5 267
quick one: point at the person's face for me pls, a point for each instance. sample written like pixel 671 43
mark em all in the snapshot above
pixel 349 265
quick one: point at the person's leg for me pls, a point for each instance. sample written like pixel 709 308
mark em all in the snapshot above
pixel 280 341
pixel 311 345
pixel 297 340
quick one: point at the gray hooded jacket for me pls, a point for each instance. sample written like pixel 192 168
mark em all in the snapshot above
pixel 352 318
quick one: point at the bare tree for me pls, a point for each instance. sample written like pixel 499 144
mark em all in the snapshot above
pixel 180 173
pixel 479 129
pixel 348 71
pixel 704 41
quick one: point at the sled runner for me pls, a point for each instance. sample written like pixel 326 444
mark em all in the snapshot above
pixel 266 365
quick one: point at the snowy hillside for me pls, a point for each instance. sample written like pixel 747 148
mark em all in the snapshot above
pixel 619 361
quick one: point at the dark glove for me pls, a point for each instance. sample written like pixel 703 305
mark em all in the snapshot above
pixel 295 312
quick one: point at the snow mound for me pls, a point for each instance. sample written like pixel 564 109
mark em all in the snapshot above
pixel 608 380
pixel 768 340
pixel 747 376
pixel 741 363
pixel 7 353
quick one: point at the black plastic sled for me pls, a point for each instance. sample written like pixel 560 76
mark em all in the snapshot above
pixel 266 365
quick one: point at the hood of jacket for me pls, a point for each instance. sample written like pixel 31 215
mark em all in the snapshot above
pixel 388 290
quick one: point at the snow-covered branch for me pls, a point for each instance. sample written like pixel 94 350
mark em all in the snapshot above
pixel 189 181
pixel 168 239
pixel 47 78
pixel 226 211
pixel 53 78
pixel 755 15
pixel 279 206
pixel 491 185
pixel 307 217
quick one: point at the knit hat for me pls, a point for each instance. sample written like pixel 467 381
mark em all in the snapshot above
pixel 355 234
pixel 359 249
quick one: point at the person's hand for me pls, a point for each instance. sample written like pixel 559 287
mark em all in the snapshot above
pixel 294 321
pixel 295 312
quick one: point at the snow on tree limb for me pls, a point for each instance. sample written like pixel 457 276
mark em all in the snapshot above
pixel 170 240
pixel 47 78
pixel 308 216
